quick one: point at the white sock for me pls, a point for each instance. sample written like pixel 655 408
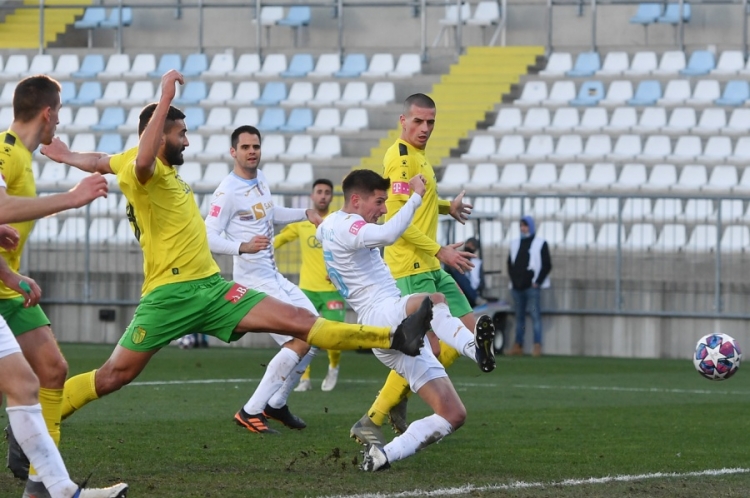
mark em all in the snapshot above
pixel 419 434
pixel 279 398
pixel 277 371
pixel 31 433
pixel 452 331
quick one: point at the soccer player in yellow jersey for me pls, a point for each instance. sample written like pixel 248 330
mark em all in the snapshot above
pixel 313 278
pixel 182 289
pixel 414 260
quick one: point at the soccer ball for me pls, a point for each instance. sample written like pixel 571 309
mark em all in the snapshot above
pixel 186 342
pixel 717 356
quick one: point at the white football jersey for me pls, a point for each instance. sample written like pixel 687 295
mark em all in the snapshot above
pixel 358 272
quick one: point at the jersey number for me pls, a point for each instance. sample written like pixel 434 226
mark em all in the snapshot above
pixel 130 212
pixel 338 282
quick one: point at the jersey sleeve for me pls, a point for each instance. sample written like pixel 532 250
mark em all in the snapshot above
pixel 373 235
pixel 399 170
pixel 217 221
pixel 349 234
pixel 11 168
pixel 287 234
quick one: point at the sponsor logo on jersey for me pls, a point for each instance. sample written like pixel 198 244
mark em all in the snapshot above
pixel 235 293
pixel 400 188
pixel 313 243
pixel 214 210
pixel 354 229
pixel 335 305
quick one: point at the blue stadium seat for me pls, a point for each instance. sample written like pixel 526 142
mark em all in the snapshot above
pixel 92 65
pixel 111 118
pixel 113 20
pixel 354 65
pixel 273 118
pixel 590 93
pixel 68 92
pixel 298 15
pixel 192 94
pixel 587 63
pixel 299 120
pixel 194 117
pixel 736 92
pixel 300 65
pixel 167 62
pixel 87 93
pixel 672 14
pixel 701 62
pixel 110 143
pixel 647 13
pixel 92 16
pixel 273 93
pixel 647 93
pixel 194 66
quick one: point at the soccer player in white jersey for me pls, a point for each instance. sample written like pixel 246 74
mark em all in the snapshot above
pixel 242 208
pixel 350 239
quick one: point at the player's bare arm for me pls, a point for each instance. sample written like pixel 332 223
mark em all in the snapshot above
pixel 455 258
pixel 25 286
pixel 254 245
pixel 459 209
pixel 93 162
pixel 313 217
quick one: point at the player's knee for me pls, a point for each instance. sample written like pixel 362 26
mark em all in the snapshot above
pixel 24 391
pixel 54 372
pixel 437 297
pixel 456 416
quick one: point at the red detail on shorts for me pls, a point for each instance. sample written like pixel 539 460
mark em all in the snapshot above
pixel 235 293
pixel 335 305
pixel 354 229
pixel 215 210
pixel 400 188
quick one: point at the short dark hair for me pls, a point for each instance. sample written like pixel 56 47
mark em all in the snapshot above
pixel 322 181
pixel 419 100
pixel 364 182
pixel 244 129
pixel 147 113
pixel 33 94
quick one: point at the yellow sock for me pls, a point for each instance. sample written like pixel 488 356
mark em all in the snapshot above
pixel 326 334
pixel 79 391
pixel 447 355
pixel 334 358
pixel 306 374
pixel 51 401
pixel 393 391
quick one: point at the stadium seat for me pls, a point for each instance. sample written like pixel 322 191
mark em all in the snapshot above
pixel 355 92
pixel 580 234
pixel 245 93
pixel 702 239
pixel 647 13
pixel 110 143
pixel 481 147
pixel 67 93
pixel 558 64
pixel 88 93
pixel 534 92
pixel 675 93
pixel 567 148
pixel 647 93
pixel 672 238
pixel 486 14
pixel 601 177
pixel 731 209
pixel 590 93
pixel 680 121
pixel 326 147
pixel 91 66
pixel 593 120
pixel 736 92
pixel 118 17
pixel 117 66
pixel 538 148
pixel 565 120
pixel 299 66
pixel 492 230
pixel 607 238
pixel 84 142
pixel 190 172
pixel 597 147
pixel 625 149
pixel 45 230
pixel 615 63
pixel 717 150
pixel 247 65
pixel 407 66
pixel 712 122
pixel 66 65
pixel 672 62
pixel 380 65
pixel 561 94
pixel 92 16
pixel 141 93
pixel 194 65
pixel 326 65
pixel 652 120
pixel 730 62
pixel 705 92
pixel 132 141
pixel 698 210
pixel 666 209
pixel 300 175
pixel 514 208
pixel 739 123
pixel 300 93
pixel 692 178
pixel 244 116
pixel 274 173
pixel 701 62
pixel 354 120
pixel 219 93
pixel 40 64
pixel 218 120
pixel 300 118
pixel 167 62
pixel 105 206
pixel 381 93
pixel 662 177
pixel 587 63
pixel 192 94
pixel 552 231
pixel 101 230
pixel 110 120
pixel 546 208
pixel 672 14
pixel 326 95
pixel 572 175
pixel 512 177
pixel 687 148
pixel 736 238
pixel 272 119
pixel 643 63
pixel 535 120
pixel 541 177
pixel 296 17
pixel 452 18
pixel 143 64
pixel 221 65
pixel 6 118
pixel 604 209
pixel 51 174
pixel 574 208
pixel 217 147
pixel 723 179
pixel 298 148
pixel 641 237
pixel 618 94
pixel 656 148
pixel 632 177
pixel 454 176
pixel 195 117
pixel 214 174
pixel 273 93
pixel 483 175
pixel 354 65
pixel 16 67
pixel 507 120
pixel 509 148
pixel 74 175
pixel 85 118
pixel 114 92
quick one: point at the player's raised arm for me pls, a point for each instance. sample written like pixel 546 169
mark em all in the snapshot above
pixel 389 232
pixel 93 162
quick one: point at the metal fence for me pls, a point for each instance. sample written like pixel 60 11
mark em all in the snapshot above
pixel 611 254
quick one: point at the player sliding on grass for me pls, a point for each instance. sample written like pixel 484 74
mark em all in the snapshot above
pixel 182 289
pixel 350 241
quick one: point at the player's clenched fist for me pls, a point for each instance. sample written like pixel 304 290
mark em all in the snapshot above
pixel 168 87
pixel 418 185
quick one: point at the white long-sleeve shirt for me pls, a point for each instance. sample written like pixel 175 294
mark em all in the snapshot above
pixel 242 209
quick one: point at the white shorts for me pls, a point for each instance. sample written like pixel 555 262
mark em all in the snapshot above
pixel 8 343
pixel 285 291
pixel 417 370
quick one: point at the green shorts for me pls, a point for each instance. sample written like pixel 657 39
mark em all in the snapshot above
pixel 21 320
pixel 436 281
pixel 329 304
pixel 208 305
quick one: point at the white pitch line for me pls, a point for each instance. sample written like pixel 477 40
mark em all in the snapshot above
pixel 631 389
pixel 469 488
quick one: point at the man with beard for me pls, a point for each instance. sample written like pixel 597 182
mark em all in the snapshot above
pixel 313 279
pixel 183 291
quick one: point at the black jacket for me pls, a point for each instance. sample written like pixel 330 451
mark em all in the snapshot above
pixel 520 275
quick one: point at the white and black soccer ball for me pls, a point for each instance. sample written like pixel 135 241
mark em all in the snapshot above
pixel 186 342
pixel 717 356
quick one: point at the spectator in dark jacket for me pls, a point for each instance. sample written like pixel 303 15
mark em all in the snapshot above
pixel 529 265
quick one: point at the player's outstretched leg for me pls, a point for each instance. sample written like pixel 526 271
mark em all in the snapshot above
pixel 409 335
pixel 284 416
pixel 253 422
pixel 119 490
pixel 374 458
pixel 397 416
pixel 365 431
pixel 484 340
